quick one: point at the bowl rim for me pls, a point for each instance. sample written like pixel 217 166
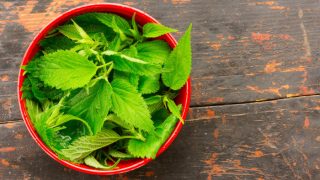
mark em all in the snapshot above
pixel 185 91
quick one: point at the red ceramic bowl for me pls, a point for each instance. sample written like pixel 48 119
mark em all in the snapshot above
pixel 124 11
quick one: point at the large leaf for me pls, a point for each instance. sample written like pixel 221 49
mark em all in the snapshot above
pixel 85 145
pixel 179 62
pixel 153 142
pixel 93 106
pixel 152 30
pixel 129 105
pixel 66 70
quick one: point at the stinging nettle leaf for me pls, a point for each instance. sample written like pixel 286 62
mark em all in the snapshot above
pixel 117 23
pixel 154 141
pixel 174 109
pixel 66 70
pixel 70 31
pixel 93 162
pixel 129 105
pixel 85 145
pixel 93 106
pixel 179 62
pixel 152 30
pixel 125 61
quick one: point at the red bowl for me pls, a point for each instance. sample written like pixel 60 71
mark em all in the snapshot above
pixel 124 11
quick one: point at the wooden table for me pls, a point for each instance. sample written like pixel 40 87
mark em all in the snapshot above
pixel 255 105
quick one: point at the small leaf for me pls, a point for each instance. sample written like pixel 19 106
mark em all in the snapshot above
pixel 128 104
pixel 117 23
pixel 153 99
pixel 179 62
pixel 70 31
pixel 81 32
pixel 85 145
pixel 118 154
pixel 173 108
pixel 91 161
pixel 66 70
pixel 152 30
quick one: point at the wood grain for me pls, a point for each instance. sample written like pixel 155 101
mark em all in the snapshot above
pixel 236 45
pixel 268 140
pixel 255 81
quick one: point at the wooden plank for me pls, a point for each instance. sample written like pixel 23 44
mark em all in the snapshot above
pixel 242 51
pixel 267 140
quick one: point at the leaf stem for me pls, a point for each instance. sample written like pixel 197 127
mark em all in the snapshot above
pixel 105 65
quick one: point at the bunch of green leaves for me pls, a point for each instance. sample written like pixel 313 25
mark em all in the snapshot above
pixel 102 87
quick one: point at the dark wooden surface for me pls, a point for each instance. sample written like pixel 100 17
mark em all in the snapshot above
pixel 255 103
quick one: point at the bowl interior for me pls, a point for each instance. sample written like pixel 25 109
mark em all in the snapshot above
pixel 124 11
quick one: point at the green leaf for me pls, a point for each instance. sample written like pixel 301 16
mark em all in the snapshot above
pixel 91 161
pixel 153 99
pixel 40 91
pixel 68 117
pixel 27 89
pixel 75 32
pixel 128 104
pixel 124 56
pixel 92 25
pixel 159 116
pixel 154 141
pixel 55 43
pixel 149 84
pixel 33 110
pixel 85 145
pixel 70 31
pixel 152 30
pixel 132 78
pixel 92 106
pixel 154 103
pixel 135 30
pixel 66 70
pixel 117 23
pixel 41 121
pixel 115 119
pixel 180 63
pixel 153 51
pixel 173 108
pixel 118 154
pixel 125 61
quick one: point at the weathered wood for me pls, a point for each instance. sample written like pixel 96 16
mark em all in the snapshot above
pixel 243 51
pixel 267 140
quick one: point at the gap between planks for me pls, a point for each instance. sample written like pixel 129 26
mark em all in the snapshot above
pixel 210 105
pixel 253 102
